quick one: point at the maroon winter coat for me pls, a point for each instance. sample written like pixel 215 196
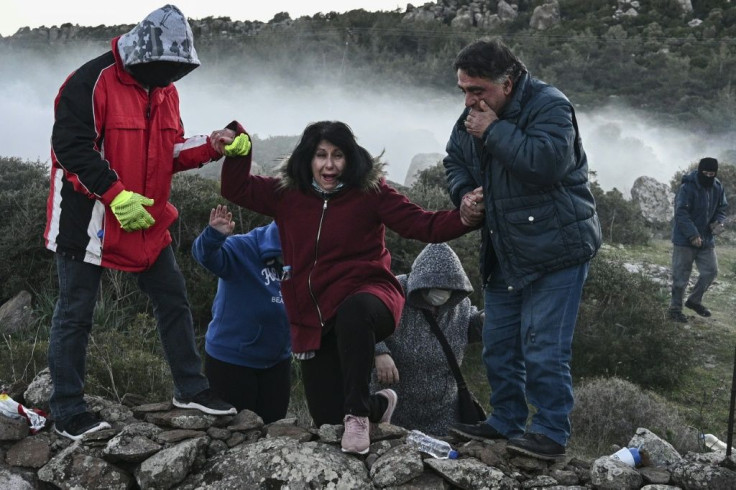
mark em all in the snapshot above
pixel 335 246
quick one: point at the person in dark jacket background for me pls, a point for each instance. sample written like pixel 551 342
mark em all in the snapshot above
pixel 117 140
pixel 332 206
pixel 515 164
pixel 411 361
pixel 247 345
pixel 700 212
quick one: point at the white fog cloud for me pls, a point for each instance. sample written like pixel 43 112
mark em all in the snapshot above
pixel 403 121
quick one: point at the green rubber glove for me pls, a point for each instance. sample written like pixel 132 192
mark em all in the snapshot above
pixel 240 146
pixel 128 209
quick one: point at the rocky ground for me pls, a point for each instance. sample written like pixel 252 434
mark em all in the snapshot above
pixel 159 446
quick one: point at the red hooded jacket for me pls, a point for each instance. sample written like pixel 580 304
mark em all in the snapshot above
pixel 110 134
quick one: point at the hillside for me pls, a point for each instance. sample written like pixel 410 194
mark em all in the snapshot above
pixel 675 58
pixel 655 62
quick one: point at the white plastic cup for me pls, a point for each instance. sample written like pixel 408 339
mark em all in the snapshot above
pixel 628 455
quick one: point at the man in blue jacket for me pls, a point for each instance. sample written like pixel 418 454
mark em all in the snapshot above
pixel 516 167
pixel 700 210
pixel 247 345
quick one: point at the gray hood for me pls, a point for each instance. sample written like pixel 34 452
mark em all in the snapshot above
pixel 164 35
pixel 437 266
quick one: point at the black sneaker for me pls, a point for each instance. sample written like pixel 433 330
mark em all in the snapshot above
pixel 537 446
pixel 677 316
pixel 206 401
pixel 76 426
pixel 479 432
pixel 698 308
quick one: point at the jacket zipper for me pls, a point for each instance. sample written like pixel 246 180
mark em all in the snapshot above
pixel 314 264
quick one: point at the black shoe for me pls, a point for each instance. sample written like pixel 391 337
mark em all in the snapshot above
pixel 479 432
pixel 698 308
pixel 76 426
pixel 537 446
pixel 206 401
pixel 677 316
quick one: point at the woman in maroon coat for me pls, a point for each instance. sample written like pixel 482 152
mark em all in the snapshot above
pixel 332 206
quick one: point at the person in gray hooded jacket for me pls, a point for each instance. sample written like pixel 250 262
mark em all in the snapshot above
pixel 411 361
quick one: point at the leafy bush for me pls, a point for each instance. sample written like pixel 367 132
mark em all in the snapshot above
pixel 623 330
pixel 621 219
pixel 608 411
pixel 24 187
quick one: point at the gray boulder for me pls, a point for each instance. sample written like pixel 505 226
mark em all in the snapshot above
pixel 694 475
pixel 545 16
pixel 507 12
pixel 16 314
pixel 170 466
pixel 39 391
pixel 13 429
pixel 281 463
pixel 421 161
pixel 659 451
pixel 655 200
pixel 396 467
pixel 133 444
pixel 686 6
pixel 610 474
pixel 15 481
pixel 72 468
pixel 471 473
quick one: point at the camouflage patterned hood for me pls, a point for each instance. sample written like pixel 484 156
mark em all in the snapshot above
pixel 164 35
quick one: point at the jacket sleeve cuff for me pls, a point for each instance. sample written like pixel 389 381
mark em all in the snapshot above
pixel 115 189
pixel 382 348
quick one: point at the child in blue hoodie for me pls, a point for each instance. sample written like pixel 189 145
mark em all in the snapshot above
pixel 248 348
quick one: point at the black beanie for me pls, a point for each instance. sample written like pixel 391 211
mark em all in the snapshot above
pixel 708 164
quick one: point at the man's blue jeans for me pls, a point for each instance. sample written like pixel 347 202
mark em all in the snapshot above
pixel 79 284
pixel 682 266
pixel 527 349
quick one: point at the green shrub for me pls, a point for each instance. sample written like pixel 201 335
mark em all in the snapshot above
pixel 623 329
pixel 24 187
pixel 621 219
pixel 608 411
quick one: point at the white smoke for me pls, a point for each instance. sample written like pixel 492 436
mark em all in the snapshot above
pixel 402 121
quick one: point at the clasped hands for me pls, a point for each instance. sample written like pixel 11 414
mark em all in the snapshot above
pixel 226 142
pixel 472 207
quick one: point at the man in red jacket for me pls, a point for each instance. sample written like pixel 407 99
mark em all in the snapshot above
pixel 117 140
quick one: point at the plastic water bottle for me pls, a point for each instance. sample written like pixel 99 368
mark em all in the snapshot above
pixel 429 445
pixel 628 455
pixel 712 442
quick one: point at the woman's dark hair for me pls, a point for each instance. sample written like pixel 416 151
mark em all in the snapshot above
pixel 358 162
pixel 491 59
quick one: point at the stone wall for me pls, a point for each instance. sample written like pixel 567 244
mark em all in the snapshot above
pixel 159 446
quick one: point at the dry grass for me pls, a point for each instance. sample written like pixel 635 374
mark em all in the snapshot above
pixel 609 410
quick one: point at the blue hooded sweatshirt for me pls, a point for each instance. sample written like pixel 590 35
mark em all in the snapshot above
pixel 249 326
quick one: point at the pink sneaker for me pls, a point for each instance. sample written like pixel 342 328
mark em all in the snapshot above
pixel 392 398
pixel 355 439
